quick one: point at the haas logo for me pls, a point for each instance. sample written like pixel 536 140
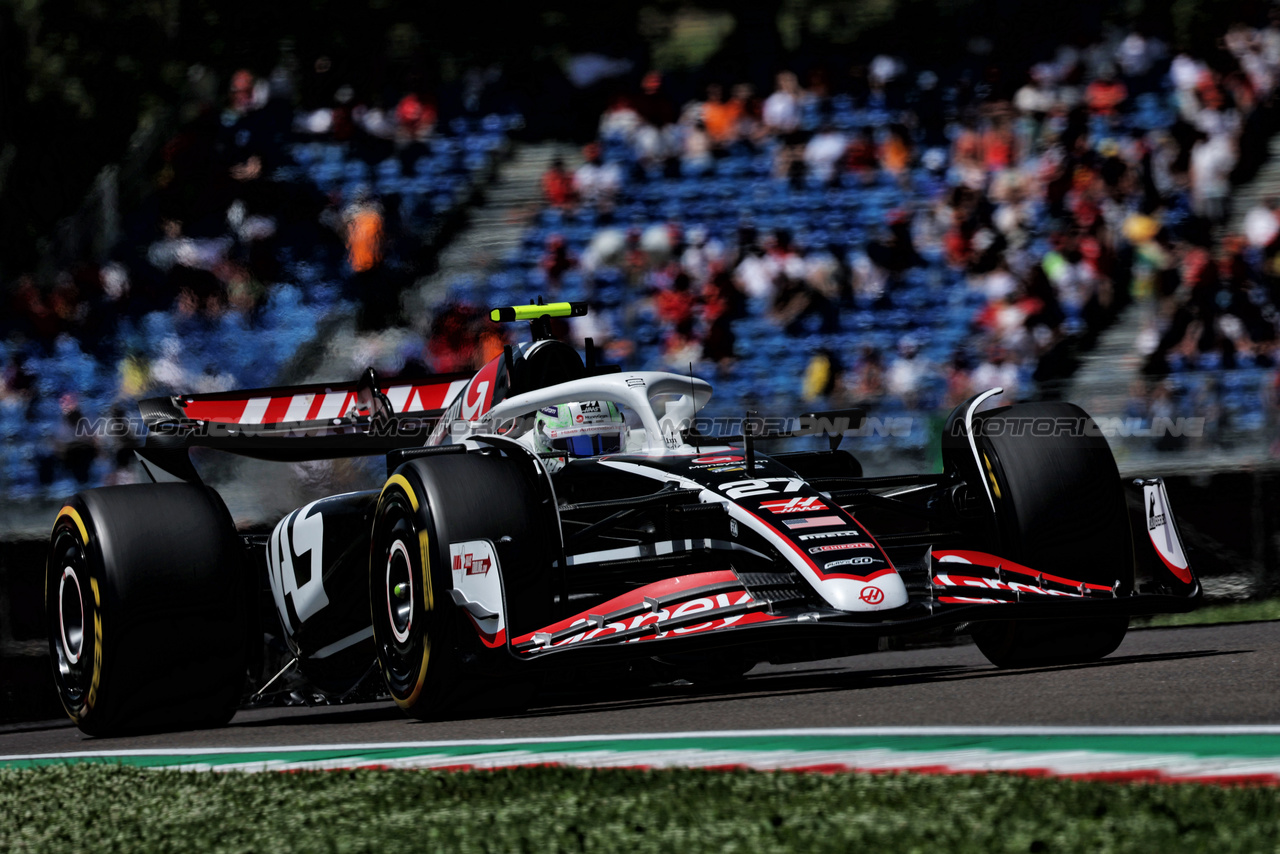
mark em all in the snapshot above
pixel 793 505
pixel 472 406
pixel 871 595
pixel 477 397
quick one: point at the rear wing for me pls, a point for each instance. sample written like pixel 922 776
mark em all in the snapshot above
pixel 304 404
pixel 325 421
pixel 293 423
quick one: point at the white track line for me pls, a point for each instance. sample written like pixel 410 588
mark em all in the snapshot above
pixel 1060 763
pixel 861 732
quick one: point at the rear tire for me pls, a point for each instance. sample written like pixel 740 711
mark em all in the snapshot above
pixel 1060 509
pixel 431 655
pixel 146 600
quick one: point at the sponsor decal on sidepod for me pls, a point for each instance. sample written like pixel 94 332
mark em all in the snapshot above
pixel 813 522
pixel 471 564
pixel 826 535
pixel 793 505
pixel 839 547
pixel 849 561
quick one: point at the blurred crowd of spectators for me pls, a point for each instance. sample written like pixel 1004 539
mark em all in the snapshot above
pixel 1098 179
pixel 1035 208
pixel 1212 304
pixel 222 270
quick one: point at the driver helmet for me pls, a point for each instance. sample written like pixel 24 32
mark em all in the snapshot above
pixel 584 428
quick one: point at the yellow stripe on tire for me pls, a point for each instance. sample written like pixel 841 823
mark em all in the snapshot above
pixel 75 517
pixel 991 475
pixel 428 597
pixel 402 482
pixel 91 697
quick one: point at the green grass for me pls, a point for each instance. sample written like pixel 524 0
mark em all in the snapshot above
pixel 119 809
pixel 1239 612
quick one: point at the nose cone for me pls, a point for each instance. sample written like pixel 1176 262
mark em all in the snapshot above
pixel 878 594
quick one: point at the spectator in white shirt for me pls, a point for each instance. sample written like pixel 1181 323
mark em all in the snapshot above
pixel 597 182
pixel 782 109
pixel 823 152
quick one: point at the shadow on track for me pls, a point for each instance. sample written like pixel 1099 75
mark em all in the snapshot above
pixel 827 680
pixel 289 716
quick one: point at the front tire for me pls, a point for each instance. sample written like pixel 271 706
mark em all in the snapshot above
pixel 147 607
pixel 433 659
pixel 412 631
pixel 1060 509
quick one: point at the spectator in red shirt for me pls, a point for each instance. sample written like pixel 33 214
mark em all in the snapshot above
pixel 557 185
pixel 1105 95
pixel 242 83
pixel 415 117
pixel 452 344
pixel 998 146
pixel 675 306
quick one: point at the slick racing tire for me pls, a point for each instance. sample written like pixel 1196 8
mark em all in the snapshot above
pixel 147 606
pixel 433 660
pixel 1060 509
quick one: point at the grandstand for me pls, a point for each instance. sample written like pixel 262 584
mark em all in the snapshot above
pixel 897 244
pixel 931 319
pixel 225 330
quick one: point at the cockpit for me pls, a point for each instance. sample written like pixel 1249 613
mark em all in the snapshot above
pixel 586 428
pixel 643 412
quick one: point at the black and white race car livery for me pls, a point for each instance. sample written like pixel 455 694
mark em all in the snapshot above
pixel 552 513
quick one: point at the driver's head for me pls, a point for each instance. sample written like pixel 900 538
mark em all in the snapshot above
pixel 580 429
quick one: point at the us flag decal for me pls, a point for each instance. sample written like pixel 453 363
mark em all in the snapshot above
pixel 818 522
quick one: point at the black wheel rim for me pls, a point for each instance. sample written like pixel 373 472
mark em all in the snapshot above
pixel 400 608
pixel 69 611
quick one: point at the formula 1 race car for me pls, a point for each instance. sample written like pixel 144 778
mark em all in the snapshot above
pixel 553 513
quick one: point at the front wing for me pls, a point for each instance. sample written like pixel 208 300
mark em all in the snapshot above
pixel 952 586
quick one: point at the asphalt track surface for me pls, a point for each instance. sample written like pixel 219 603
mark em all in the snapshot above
pixel 1227 674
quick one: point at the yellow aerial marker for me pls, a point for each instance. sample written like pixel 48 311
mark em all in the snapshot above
pixel 508 313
